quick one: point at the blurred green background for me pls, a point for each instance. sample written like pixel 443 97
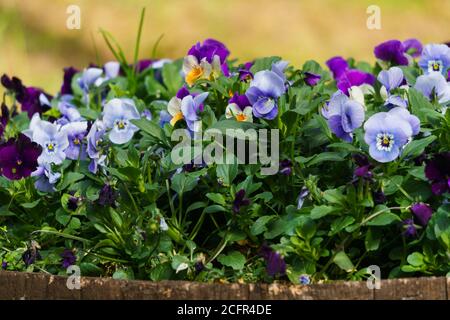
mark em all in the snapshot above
pixel 36 45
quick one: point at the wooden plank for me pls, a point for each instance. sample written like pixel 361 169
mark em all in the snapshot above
pixel 427 288
pixel 21 285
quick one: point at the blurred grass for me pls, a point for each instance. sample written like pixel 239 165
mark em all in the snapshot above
pixel 36 44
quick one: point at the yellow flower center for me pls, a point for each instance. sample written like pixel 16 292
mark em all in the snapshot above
pixel 193 75
pixel 50 147
pixel 76 141
pixel 176 118
pixel 241 117
pixel 19 162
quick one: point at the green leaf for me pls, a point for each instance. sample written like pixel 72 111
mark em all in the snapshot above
pixel 372 240
pixel 154 88
pixel 195 206
pixel 180 263
pixel 217 198
pixel 183 183
pixel 343 261
pixel 161 271
pixel 172 78
pixel 416 147
pixel 392 185
pixel 321 211
pixel 340 223
pixel 334 196
pixel 234 259
pixel 325 157
pixel 227 173
pixel 116 218
pixel 259 226
pixel 415 259
pixel 383 219
pixel 150 128
pixel 215 208
pixel 30 205
pixel 4 211
pixel 69 179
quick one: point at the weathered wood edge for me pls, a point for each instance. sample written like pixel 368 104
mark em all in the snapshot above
pixel 22 285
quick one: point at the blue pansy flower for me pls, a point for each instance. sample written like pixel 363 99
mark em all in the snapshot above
pixel 117 114
pixel 52 140
pixel 435 58
pixel 392 79
pixel 76 131
pixel 95 149
pixel 433 86
pixel 344 115
pixel 46 178
pixel 265 89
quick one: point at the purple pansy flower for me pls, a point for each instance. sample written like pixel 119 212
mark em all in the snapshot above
pixel 117 114
pixel 347 78
pixel 437 170
pixel 387 132
pixel 433 86
pixel 18 157
pixel 52 140
pixel 422 213
pixel 244 72
pixel 363 166
pixel 240 108
pixel 76 131
pixel 286 167
pixel 344 115
pixel 239 201
pixel 304 192
pixel 337 66
pixel 108 196
pixel 392 51
pixel 14 85
pixel 4 118
pixel 435 58
pixel 68 258
pixel 46 178
pixel 35 100
pixel 275 264
pixel 410 228
pixel 311 79
pixel 413 47
pixel 4 265
pixel 94 147
pixel 263 93
pixel 66 87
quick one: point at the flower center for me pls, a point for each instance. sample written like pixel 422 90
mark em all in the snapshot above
pixel 19 162
pixel 76 141
pixel 385 141
pixel 177 117
pixel 435 66
pixel 241 117
pixel 51 147
pixel 121 124
pixel 194 75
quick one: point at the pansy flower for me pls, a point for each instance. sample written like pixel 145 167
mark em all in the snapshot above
pixel 244 73
pixel 66 87
pixel 117 114
pixel 52 140
pixel 435 58
pixel 392 79
pixel 187 108
pixel 240 200
pixel 4 118
pixel 410 229
pixel 69 112
pixel 311 79
pixel 239 108
pixel 387 133
pixel 263 93
pixel 275 264
pixel 344 115
pixel 94 146
pixel 205 61
pixel 68 258
pixel 18 157
pixel 433 86
pixel 76 131
pixel 46 178
pixel 174 106
pixel 422 212
pixel 397 52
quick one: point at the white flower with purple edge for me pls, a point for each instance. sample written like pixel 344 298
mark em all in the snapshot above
pixel 433 85
pixel 76 131
pixel 52 140
pixel 435 58
pixel 392 79
pixel 117 114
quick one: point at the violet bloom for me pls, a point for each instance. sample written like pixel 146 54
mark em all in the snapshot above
pixel 410 228
pixel 68 111
pixel 14 85
pixel 435 58
pixel 164 117
pixel 244 72
pixel 263 93
pixel 240 200
pixel 46 178
pixel 392 79
pixel 363 167
pixel 76 131
pixel 304 192
pixel 239 108
pixel 187 108
pixel 392 51
pixel 433 86
pixel 275 264
pixel 18 157
pixel 344 116
pixel 4 118
pixel 437 170
pixel 413 47
pixel 66 87
pixel 304 279
pixel 286 167
pixel 68 258
pixel 387 132
pixel 94 146
pixel 35 100
pixel 311 79
pixel 4 265
pixel 52 140
pixel 379 197
pixel 116 116
pixel 422 213
pixel 108 196
pixel 205 61
pixel 337 66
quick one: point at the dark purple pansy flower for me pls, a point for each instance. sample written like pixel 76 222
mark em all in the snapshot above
pixel 286 167
pixel 240 200
pixel 410 228
pixel 392 51
pixel 107 196
pixel 32 253
pixel 241 100
pixel 363 166
pixel 66 87
pixel 4 118
pixel 183 92
pixel 72 203
pixel 13 84
pixel 311 79
pixel 275 264
pixel 354 77
pixel 199 266
pixel 4 265
pixel 422 213
pixel 338 66
pixel 244 72
pixel 379 197
pixel 209 49
pixel 413 47
pixel 35 100
pixel 143 64
pixel 437 170
pixel 68 258
pixel 18 157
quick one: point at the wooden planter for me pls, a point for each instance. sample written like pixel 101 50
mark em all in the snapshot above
pixel 21 285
